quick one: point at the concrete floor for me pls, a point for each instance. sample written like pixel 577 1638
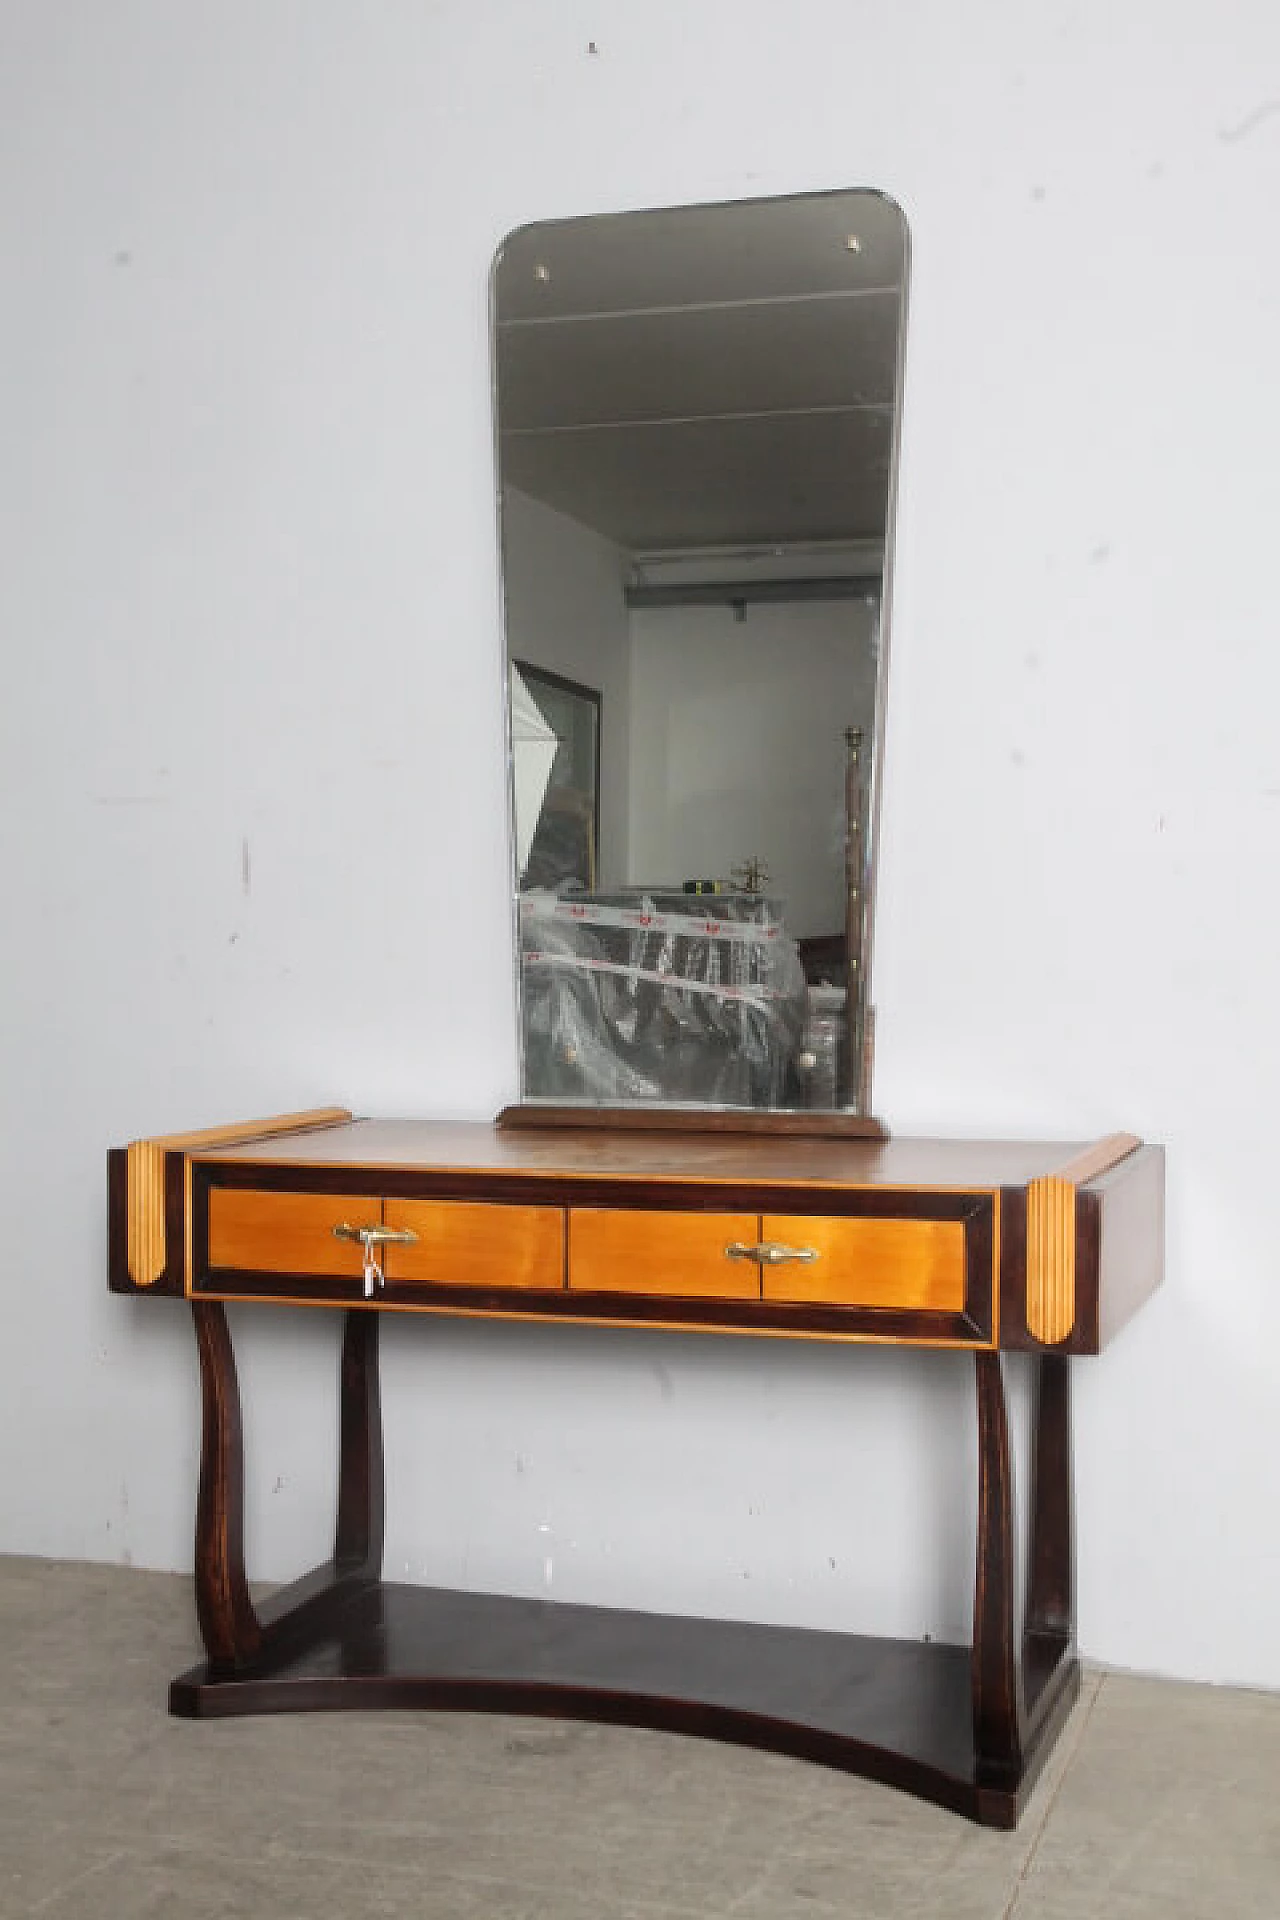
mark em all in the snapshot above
pixel 1162 1800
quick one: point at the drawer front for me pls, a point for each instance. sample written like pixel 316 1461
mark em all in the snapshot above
pixel 679 1255
pixel 465 1244
pixel 924 1273
pixel 907 1266
pixel 263 1232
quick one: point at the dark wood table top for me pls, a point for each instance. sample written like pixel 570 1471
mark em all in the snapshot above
pixel 482 1147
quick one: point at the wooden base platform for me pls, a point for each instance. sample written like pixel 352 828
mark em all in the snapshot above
pixel 896 1711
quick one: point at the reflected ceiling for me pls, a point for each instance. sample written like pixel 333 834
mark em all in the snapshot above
pixel 673 394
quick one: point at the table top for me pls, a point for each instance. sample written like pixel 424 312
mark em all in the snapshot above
pixel 589 1153
pixel 1064 1237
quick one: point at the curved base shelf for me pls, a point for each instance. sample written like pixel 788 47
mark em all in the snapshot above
pixel 895 1711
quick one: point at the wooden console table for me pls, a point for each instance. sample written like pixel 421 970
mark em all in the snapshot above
pixel 978 1247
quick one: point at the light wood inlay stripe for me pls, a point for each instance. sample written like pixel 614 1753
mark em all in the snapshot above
pixel 145 1164
pixel 242 1130
pixel 145 1237
pixel 1051 1259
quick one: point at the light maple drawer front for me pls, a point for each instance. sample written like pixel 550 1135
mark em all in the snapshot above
pixel 908 1265
pixel 615 1250
pixel 287 1232
pixel 461 1244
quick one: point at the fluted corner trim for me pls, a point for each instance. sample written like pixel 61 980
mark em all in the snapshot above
pixel 147 1251
pixel 1051 1236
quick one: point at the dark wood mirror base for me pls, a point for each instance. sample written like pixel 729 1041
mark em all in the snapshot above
pixel 967 1728
pixel 815 1123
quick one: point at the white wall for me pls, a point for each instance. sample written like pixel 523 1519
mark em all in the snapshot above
pixel 738 746
pixel 565 610
pixel 254 852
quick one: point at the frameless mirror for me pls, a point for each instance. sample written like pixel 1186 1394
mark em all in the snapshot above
pixel 697 429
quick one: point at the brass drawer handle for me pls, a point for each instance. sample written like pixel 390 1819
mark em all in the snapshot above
pixel 768 1253
pixel 376 1236
pixel 369 1239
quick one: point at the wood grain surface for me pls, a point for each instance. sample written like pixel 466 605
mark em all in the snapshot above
pixel 615 1250
pixel 478 1146
pixel 468 1244
pixel 916 1265
pixel 287 1232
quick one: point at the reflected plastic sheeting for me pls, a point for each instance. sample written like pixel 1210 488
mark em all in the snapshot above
pixel 661 997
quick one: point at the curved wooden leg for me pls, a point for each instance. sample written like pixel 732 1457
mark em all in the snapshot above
pixel 1051 1599
pixel 243 1644
pixel 1049 1669
pixel 358 1543
pixel 997 1669
pixel 228 1624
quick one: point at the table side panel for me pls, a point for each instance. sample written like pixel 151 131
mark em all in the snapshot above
pixel 1130 1207
pixel 1118 1255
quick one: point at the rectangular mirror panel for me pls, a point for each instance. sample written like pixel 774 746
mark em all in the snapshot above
pixel 697 416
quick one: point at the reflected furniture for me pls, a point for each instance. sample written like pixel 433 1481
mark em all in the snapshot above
pixel 665 998
pixel 978 1248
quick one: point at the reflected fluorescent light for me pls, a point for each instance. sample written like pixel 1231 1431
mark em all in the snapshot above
pixel 812 560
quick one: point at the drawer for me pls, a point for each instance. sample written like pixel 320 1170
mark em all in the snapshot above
pixel 912 1266
pixel 923 1273
pixel 617 1250
pixel 263 1232
pixel 465 1244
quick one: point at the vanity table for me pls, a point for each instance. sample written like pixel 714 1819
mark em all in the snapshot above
pixel 697 416
pixel 980 1248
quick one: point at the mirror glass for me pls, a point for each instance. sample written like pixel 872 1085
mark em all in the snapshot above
pixel 697 429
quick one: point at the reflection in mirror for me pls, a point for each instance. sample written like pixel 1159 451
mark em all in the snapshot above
pixel 697 430
pixel 555 778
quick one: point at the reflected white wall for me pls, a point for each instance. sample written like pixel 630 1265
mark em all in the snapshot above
pixel 739 746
